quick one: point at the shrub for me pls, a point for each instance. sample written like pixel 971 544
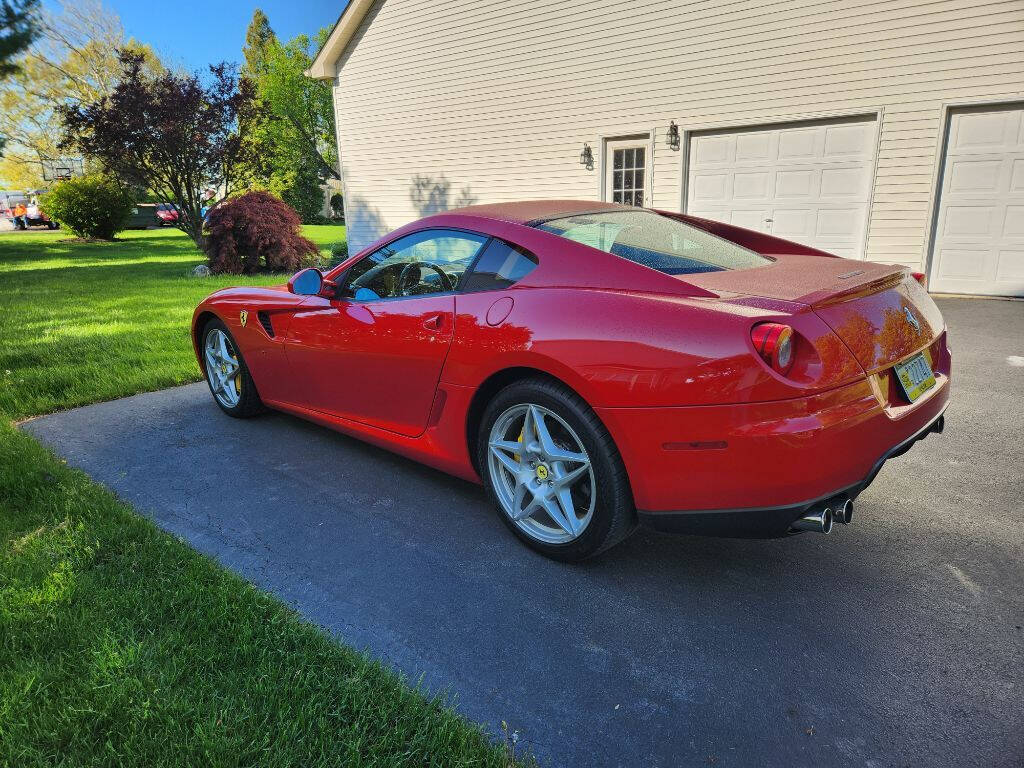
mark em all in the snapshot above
pixel 93 206
pixel 339 252
pixel 338 205
pixel 256 232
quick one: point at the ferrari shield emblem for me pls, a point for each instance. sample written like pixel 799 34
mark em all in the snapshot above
pixel 243 317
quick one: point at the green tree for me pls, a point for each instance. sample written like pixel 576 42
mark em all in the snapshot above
pixel 258 37
pixel 291 134
pixel 301 109
pixel 17 31
pixel 73 61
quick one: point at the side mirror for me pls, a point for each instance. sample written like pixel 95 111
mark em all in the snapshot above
pixel 306 282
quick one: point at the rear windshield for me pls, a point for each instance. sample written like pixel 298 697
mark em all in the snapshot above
pixel 655 241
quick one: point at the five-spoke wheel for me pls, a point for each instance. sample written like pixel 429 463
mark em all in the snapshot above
pixel 226 372
pixel 553 470
pixel 223 368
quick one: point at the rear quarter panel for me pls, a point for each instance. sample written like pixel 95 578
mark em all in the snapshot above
pixel 621 350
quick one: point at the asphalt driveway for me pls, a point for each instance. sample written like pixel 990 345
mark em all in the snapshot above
pixel 895 642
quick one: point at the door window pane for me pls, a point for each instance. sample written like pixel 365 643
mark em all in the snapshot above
pixel 431 261
pixel 628 175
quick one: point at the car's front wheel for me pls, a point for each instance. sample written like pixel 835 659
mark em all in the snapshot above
pixel 553 471
pixel 227 374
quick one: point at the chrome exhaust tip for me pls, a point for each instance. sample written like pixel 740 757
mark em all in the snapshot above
pixel 819 520
pixel 843 512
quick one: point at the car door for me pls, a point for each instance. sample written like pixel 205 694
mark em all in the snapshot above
pixel 374 353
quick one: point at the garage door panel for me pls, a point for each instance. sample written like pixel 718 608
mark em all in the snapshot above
pixel 1013 223
pixel 796 184
pixel 710 187
pixel 713 149
pixel 840 222
pixel 754 148
pixel 980 130
pixel 1010 266
pixel 969 221
pixel 809 183
pixel 844 182
pixel 974 175
pixel 751 186
pixel 1017 176
pixel 798 144
pixel 963 263
pixel 979 237
pixel 849 141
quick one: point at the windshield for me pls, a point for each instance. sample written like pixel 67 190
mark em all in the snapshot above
pixel 656 241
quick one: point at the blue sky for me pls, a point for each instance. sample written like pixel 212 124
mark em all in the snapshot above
pixel 193 34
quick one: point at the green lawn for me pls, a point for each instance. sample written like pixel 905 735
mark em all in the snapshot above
pixel 119 644
pixel 81 322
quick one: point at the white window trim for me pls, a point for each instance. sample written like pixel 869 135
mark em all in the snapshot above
pixel 608 142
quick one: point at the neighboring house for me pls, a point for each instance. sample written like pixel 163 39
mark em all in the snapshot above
pixel 892 131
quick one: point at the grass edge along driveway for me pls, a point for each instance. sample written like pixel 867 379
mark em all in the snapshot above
pixel 121 645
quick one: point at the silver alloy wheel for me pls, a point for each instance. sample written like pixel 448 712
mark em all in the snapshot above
pixel 222 368
pixel 541 474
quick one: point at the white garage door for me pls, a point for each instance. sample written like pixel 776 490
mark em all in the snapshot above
pixel 810 182
pixel 979 236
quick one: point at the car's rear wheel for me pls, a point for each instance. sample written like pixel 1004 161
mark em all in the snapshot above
pixel 553 471
pixel 227 374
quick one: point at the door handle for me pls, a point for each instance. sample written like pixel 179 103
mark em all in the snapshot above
pixel 434 323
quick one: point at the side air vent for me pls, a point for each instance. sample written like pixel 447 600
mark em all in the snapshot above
pixel 264 319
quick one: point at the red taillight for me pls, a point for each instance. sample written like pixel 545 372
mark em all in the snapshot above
pixel 774 342
pixel 921 277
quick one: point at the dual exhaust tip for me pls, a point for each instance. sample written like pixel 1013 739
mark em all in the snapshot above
pixel 821 519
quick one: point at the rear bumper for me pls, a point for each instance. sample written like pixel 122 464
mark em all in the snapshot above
pixel 774 522
pixel 751 469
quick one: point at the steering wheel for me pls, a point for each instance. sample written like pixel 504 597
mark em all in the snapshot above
pixel 402 290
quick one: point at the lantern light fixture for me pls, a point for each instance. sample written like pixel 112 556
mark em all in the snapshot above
pixel 672 138
pixel 587 157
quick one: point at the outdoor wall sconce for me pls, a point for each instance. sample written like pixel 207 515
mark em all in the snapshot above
pixel 587 158
pixel 672 139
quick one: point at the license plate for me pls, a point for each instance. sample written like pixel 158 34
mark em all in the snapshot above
pixel 915 376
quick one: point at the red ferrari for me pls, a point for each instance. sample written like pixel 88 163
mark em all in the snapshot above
pixel 599 366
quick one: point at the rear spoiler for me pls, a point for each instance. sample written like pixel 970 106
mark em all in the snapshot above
pixel 759 242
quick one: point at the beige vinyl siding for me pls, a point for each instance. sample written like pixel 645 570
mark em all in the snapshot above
pixel 441 104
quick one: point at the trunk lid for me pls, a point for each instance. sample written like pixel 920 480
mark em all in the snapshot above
pixel 879 311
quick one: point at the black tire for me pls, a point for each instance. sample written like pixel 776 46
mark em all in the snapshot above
pixel 614 516
pixel 249 404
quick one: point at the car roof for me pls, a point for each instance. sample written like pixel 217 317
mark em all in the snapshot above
pixel 535 211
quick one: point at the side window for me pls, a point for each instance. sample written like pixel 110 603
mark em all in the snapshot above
pixel 431 261
pixel 500 266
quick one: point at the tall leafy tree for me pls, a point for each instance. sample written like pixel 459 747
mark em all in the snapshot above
pixel 302 109
pixel 18 28
pixel 175 134
pixel 257 171
pixel 292 131
pixel 73 60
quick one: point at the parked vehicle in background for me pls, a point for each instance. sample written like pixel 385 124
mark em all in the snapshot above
pixel 23 213
pixel 166 214
pixel 143 216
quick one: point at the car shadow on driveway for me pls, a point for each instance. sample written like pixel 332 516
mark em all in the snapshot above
pixel 895 640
